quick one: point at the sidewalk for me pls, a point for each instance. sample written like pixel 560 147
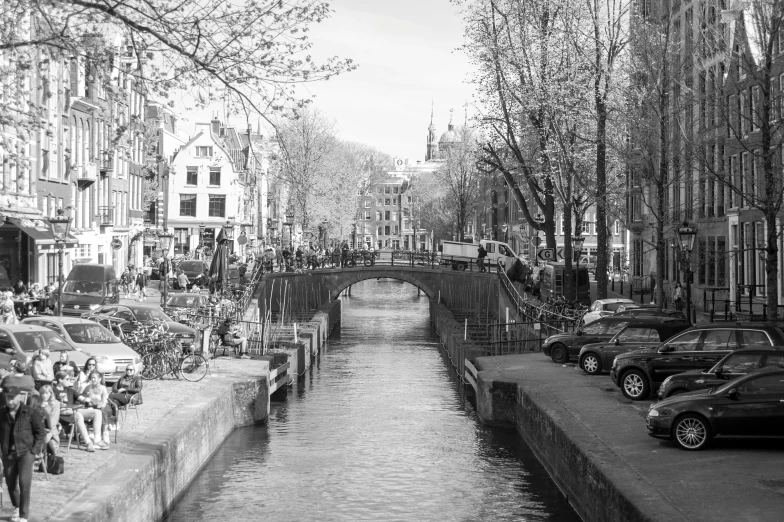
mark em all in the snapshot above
pixel 93 478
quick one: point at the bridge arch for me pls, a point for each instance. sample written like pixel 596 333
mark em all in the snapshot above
pixel 348 278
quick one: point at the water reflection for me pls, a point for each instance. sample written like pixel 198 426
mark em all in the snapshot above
pixel 375 431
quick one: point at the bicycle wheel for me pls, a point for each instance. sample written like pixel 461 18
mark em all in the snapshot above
pixel 193 367
pixel 153 366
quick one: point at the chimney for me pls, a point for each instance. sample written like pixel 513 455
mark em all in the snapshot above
pixel 216 126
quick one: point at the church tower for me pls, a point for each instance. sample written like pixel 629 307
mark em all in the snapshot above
pixel 432 144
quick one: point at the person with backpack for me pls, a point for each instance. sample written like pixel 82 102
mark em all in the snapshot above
pixel 141 282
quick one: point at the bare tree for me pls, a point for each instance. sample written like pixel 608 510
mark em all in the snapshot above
pixel 460 176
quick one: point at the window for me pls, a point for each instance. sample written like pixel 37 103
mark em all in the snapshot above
pixel 387 202
pixel 719 340
pixel 192 176
pixel 215 175
pixel 386 215
pixel 379 202
pixel 203 152
pixel 394 216
pixel 740 363
pixel 378 215
pixel 774 360
pixel 763 385
pixel 181 241
pixel 367 215
pixel 217 206
pixel 638 335
pixel 686 342
pixel 614 328
pixel 188 205
pixel 594 328
pixel 387 190
pixel 753 338
pixel 368 202
pixel 754 108
pixel 386 230
pixel 394 202
pixel 395 190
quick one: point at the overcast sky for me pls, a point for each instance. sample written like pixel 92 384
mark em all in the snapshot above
pixel 406 51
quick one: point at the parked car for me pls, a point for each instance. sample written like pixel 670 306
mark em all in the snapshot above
pixel 566 346
pixel 193 268
pixel 602 308
pixel 748 405
pixel 180 306
pixel 639 373
pixel 93 340
pixel 730 367
pixel 638 333
pixel 635 310
pixel 133 314
pixel 22 341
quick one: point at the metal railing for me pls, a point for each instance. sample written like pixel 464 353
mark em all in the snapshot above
pixel 359 259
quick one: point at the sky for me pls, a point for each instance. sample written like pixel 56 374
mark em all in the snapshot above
pixel 407 56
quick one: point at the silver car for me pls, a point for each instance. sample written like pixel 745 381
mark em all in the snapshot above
pixel 93 340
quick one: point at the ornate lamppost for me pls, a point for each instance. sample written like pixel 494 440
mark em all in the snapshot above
pixel 166 239
pixel 228 231
pixel 577 248
pixel 686 235
pixel 60 225
pixel 290 223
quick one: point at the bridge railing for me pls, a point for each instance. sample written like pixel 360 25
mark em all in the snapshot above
pixel 383 258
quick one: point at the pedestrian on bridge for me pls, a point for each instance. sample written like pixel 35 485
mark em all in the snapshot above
pixel 481 260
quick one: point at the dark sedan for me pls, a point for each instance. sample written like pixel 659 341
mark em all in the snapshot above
pixel 731 367
pixel 133 314
pixel 562 347
pixel 639 332
pixel 752 404
pixel 700 347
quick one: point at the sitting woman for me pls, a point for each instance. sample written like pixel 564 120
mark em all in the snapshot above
pixel 51 408
pixel 96 396
pixel 126 387
pixel 83 379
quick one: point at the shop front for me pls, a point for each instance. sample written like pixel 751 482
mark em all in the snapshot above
pixel 28 252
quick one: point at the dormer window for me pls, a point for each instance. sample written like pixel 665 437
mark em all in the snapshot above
pixel 203 152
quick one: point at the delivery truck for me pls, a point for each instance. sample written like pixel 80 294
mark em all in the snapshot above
pixel 459 255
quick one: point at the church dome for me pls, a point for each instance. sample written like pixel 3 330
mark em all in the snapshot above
pixel 450 136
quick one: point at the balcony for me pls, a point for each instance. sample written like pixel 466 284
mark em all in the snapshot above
pixel 105 217
pixel 85 175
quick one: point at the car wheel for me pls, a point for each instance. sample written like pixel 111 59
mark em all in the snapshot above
pixel 691 432
pixel 559 354
pixel 591 364
pixel 635 386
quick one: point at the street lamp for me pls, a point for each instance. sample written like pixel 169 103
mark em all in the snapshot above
pixel 290 223
pixel 61 225
pixel 505 230
pixel 686 235
pixel 166 239
pixel 228 231
pixel 539 220
pixel 577 248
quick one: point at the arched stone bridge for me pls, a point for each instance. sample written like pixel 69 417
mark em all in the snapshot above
pixel 311 288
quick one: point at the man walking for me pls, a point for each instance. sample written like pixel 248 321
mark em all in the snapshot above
pixel 22 434
pixel 481 261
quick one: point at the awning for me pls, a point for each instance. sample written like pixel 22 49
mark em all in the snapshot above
pixel 39 231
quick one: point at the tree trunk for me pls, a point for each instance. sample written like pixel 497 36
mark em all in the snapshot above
pixel 570 290
pixel 771 265
pixel 601 198
pixel 661 190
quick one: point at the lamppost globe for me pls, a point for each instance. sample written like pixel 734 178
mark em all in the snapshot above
pixel 686 235
pixel 577 247
pixel 228 230
pixel 165 239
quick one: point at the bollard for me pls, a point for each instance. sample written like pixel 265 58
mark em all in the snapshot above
pixel 465 332
pixel 621 292
pixel 295 333
pixel 507 319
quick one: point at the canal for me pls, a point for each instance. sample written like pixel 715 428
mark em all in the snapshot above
pixel 375 431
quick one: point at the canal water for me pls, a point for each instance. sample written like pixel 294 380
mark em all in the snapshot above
pixel 375 431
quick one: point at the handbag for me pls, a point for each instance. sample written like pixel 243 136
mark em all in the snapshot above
pixel 54 465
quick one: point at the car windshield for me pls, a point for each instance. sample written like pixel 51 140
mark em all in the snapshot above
pixel 32 341
pixel 184 301
pixel 612 306
pixel 90 334
pixel 150 314
pixel 83 288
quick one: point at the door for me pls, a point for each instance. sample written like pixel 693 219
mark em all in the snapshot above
pixel 757 409
pixel 680 358
pixel 715 345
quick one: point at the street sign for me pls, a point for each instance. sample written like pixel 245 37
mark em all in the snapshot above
pixel 116 244
pixel 560 254
pixel 242 239
pixel 546 254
